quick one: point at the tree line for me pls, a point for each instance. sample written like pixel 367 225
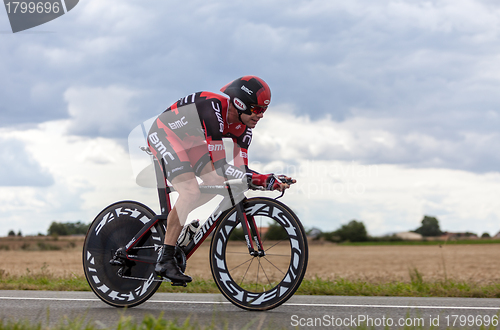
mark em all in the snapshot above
pixel 355 231
pixel 68 228
pixel 61 229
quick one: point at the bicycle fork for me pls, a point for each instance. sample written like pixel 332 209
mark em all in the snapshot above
pixel 250 232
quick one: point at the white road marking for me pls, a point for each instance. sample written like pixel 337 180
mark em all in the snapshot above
pixel 286 304
pixel 396 306
pixel 52 299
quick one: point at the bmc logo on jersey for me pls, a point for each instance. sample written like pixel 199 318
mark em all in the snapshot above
pixel 216 147
pixel 235 172
pixel 178 123
pixel 239 104
pixel 160 147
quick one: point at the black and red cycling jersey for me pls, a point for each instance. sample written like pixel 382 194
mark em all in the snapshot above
pixel 189 134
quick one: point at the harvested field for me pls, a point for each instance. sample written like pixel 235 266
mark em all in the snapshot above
pixel 476 263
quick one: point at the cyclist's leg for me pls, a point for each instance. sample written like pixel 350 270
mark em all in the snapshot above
pixel 189 194
pixel 201 163
pixel 187 187
pixel 174 154
pixel 209 177
pixel 169 149
pixel 189 199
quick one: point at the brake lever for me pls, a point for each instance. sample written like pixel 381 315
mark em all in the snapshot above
pixel 284 179
pixel 146 150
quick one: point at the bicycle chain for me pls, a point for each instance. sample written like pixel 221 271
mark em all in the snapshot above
pixel 164 279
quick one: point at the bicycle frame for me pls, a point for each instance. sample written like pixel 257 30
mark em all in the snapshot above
pixel 121 269
pixel 248 223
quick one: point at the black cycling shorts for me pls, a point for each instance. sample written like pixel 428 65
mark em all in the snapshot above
pixel 178 139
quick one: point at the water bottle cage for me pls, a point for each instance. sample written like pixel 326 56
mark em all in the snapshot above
pixel 188 233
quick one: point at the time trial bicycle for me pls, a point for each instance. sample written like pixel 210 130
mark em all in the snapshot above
pixel 258 251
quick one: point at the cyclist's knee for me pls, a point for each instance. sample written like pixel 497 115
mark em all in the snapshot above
pixel 212 178
pixel 187 187
pixel 190 194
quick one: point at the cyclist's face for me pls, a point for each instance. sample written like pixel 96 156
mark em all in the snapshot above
pixel 251 120
pixel 248 120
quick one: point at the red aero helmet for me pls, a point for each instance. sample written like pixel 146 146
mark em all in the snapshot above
pixel 247 93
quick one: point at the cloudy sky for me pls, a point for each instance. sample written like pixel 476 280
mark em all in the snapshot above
pixel 384 111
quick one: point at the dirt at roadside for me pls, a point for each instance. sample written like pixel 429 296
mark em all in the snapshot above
pixel 385 263
pixel 372 263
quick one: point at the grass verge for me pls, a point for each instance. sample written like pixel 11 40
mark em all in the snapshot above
pixel 424 242
pixel 448 288
pixel 42 281
pixel 150 322
pixel 417 287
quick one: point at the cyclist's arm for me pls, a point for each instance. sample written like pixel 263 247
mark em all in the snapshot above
pixel 268 181
pixel 211 114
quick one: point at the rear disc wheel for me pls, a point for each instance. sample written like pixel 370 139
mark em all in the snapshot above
pixel 112 229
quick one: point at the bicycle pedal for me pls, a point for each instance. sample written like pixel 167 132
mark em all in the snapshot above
pixel 184 284
pixel 116 262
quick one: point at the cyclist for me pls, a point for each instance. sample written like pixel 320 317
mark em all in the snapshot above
pixel 187 141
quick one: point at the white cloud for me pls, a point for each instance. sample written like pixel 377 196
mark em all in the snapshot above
pixel 18 167
pixel 400 59
pixel 105 112
pixel 404 85
pixel 338 179
pixel 88 174
pixel 389 198
pixel 370 141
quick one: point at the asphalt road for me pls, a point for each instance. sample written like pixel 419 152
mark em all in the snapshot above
pixel 304 312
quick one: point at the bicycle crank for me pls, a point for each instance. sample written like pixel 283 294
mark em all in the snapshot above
pixel 121 274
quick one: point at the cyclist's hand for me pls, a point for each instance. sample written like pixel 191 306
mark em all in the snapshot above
pixel 285 183
pixel 271 181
